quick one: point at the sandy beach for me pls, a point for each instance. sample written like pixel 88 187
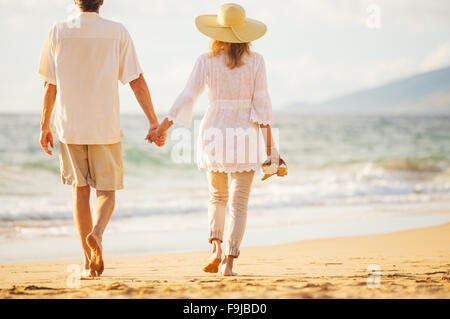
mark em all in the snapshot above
pixel 413 264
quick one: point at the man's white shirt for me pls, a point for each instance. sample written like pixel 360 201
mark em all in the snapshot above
pixel 85 58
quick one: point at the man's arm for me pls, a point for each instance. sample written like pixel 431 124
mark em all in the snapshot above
pixel 48 104
pixel 142 93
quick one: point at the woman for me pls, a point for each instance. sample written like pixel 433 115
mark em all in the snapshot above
pixel 229 134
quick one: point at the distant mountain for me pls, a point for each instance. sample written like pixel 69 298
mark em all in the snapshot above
pixel 426 93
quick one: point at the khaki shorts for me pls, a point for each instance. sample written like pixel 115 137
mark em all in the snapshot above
pixel 100 166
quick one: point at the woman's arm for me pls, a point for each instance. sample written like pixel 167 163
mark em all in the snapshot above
pixel 271 150
pixel 165 125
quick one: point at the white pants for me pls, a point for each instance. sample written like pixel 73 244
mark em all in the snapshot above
pixel 239 193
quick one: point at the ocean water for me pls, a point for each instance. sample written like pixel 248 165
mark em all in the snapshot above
pixel 348 175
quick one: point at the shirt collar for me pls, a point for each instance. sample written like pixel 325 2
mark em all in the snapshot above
pixel 89 15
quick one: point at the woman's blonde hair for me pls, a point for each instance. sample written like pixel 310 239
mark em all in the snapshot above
pixel 234 52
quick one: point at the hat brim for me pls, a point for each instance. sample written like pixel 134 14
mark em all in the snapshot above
pixel 251 30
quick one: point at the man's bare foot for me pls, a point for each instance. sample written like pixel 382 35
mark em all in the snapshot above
pixel 96 265
pixel 227 267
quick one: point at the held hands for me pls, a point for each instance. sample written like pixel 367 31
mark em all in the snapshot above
pixel 46 137
pixel 156 135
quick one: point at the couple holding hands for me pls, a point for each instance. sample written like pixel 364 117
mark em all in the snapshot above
pixel 81 64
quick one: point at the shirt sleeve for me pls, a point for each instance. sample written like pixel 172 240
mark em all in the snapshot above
pixel 129 67
pixel 183 108
pixel 47 69
pixel 261 111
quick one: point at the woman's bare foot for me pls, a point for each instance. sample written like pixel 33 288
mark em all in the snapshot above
pixel 96 265
pixel 215 259
pixel 227 267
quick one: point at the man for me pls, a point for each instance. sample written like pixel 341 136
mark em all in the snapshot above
pixel 82 61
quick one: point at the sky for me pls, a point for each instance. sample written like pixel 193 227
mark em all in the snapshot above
pixel 314 49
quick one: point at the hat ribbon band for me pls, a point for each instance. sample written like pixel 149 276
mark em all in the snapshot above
pixel 232 30
pixel 236 34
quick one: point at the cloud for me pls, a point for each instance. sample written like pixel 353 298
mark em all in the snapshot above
pixel 314 49
pixel 388 70
pixel 437 59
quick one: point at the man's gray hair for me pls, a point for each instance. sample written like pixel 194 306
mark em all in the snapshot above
pixel 88 5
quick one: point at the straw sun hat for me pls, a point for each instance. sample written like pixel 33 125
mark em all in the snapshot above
pixel 230 25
